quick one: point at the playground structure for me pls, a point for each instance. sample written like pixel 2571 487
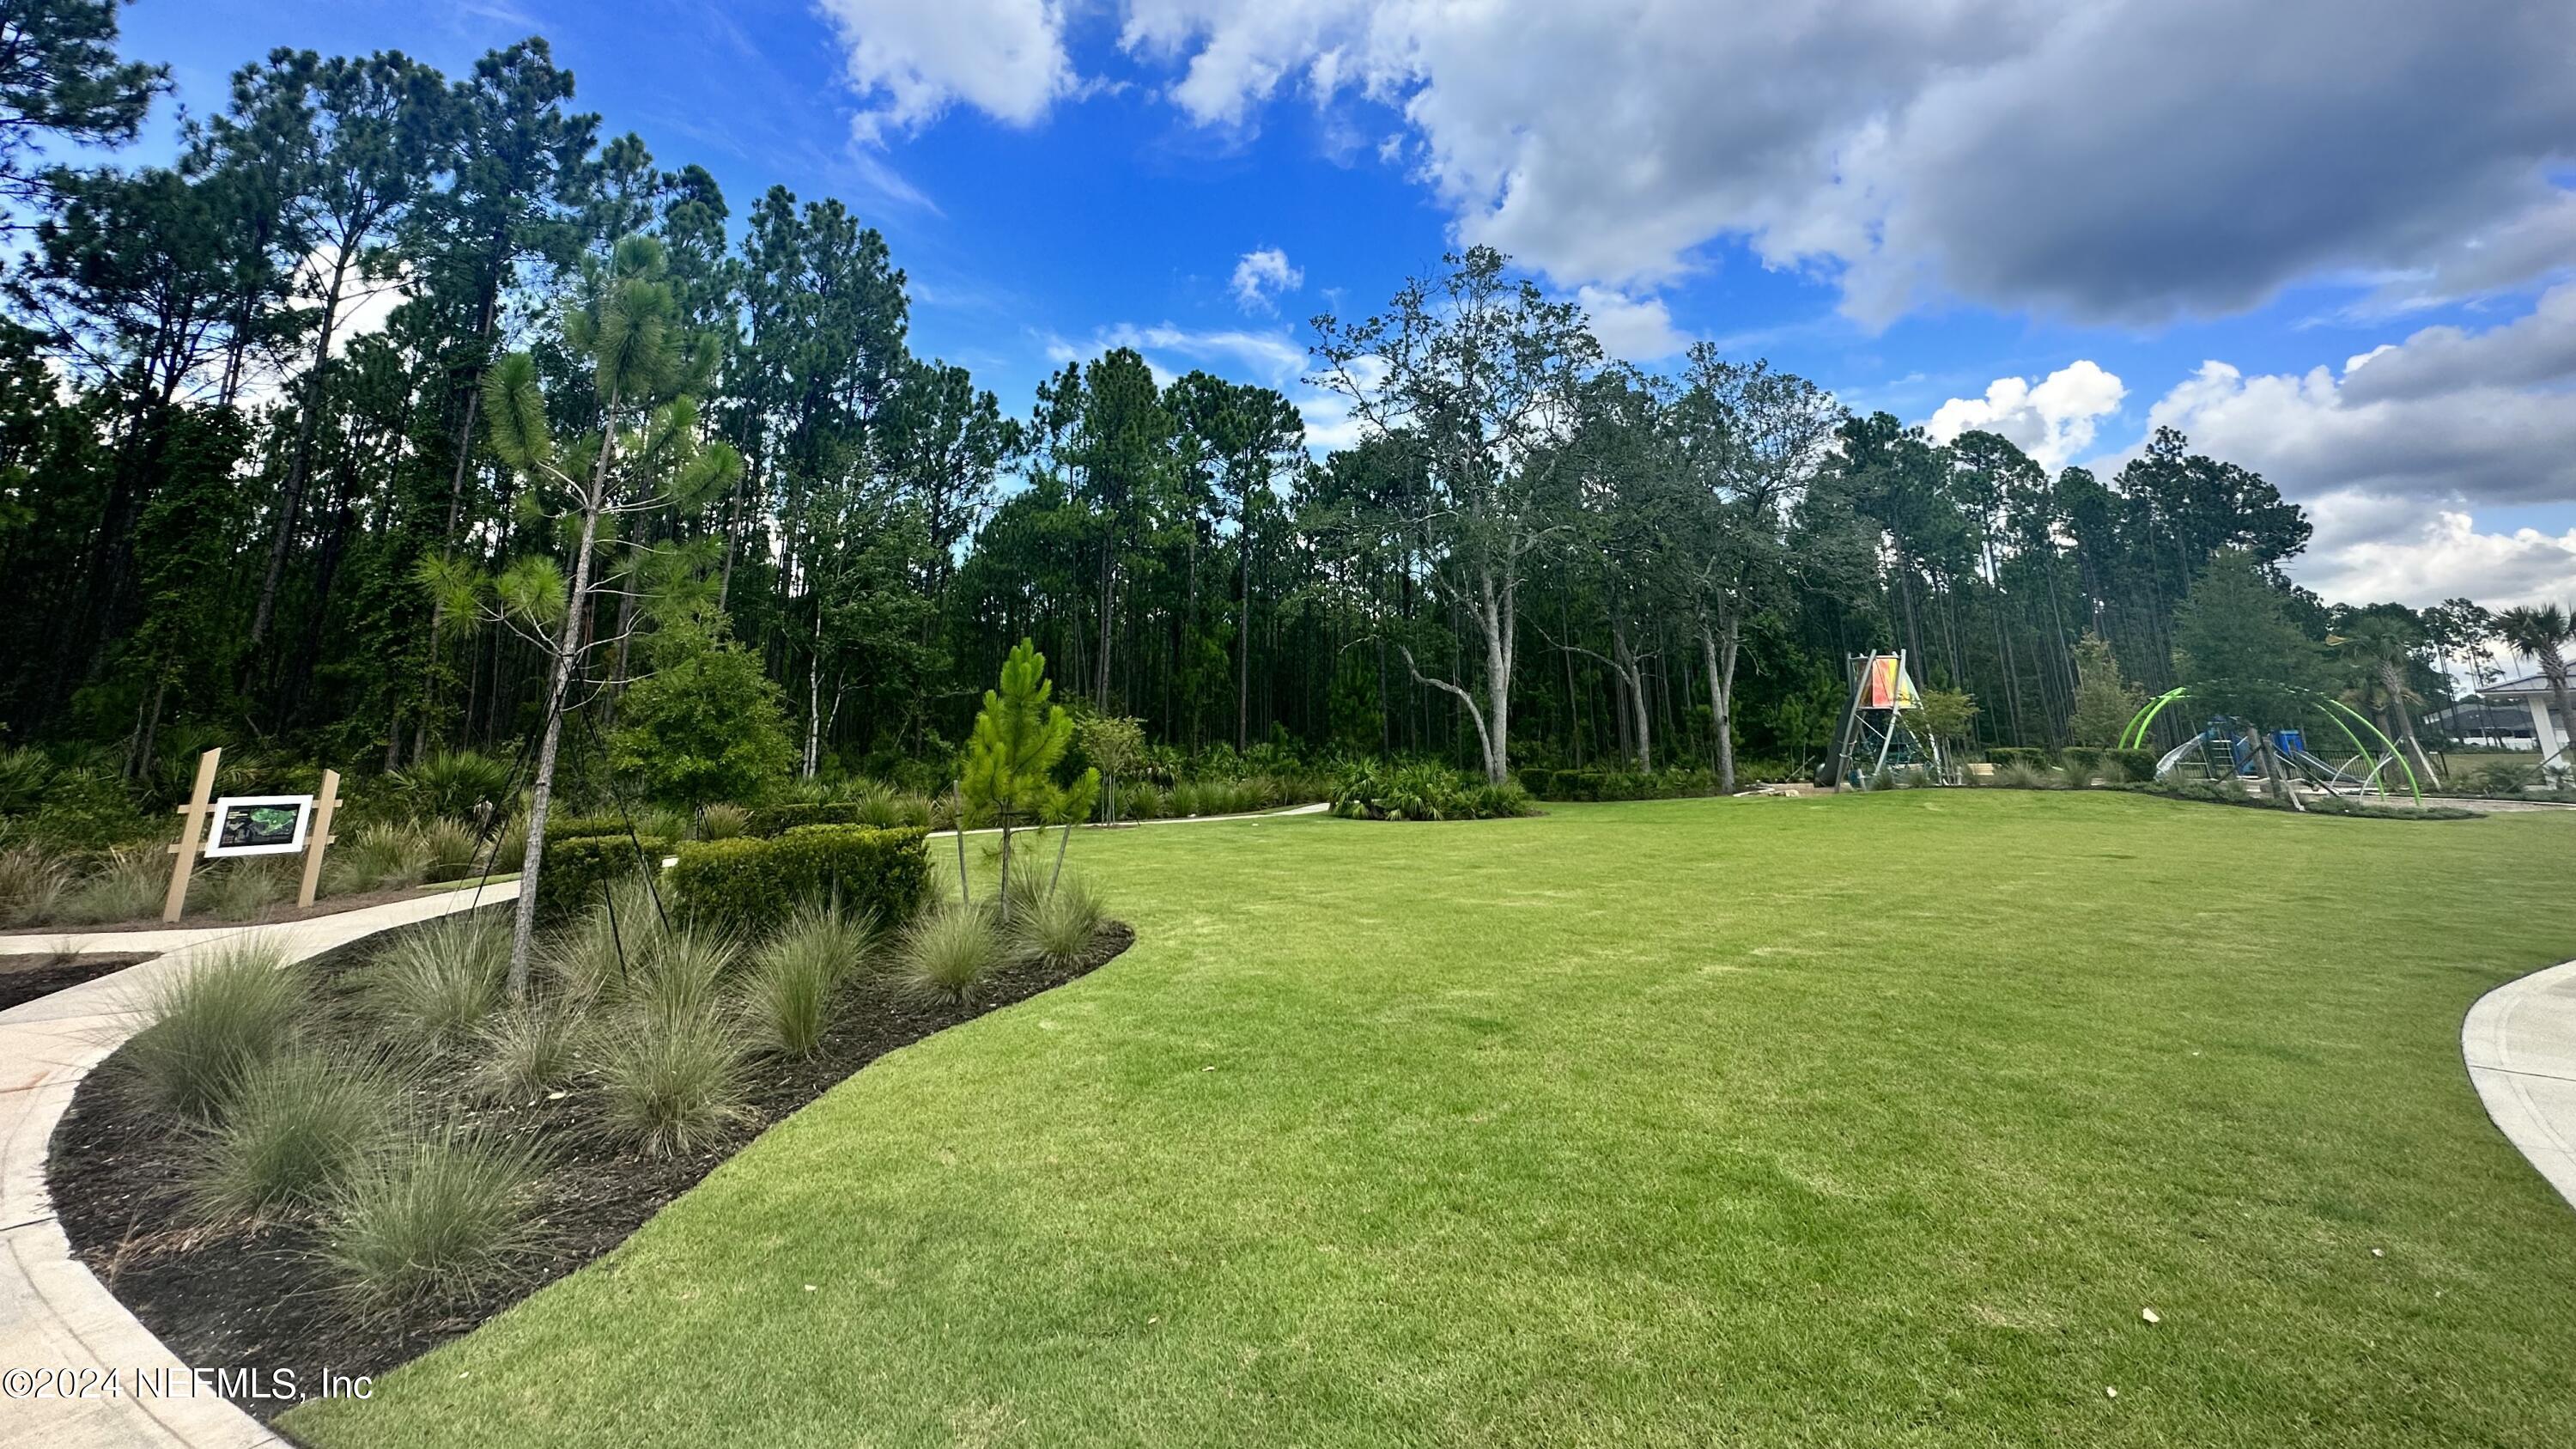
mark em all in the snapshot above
pixel 1873 725
pixel 2231 749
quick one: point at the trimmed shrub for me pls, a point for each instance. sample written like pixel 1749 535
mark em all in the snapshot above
pixel 753 885
pixel 770 821
pixel 2004 757
pixel 2135 766
pixel 433 986
pixel 1541 784
pixel 580 867
pixel 948 953
pixel 296 1123
pixel 211 1024
pixel 671 1084
pixel 433 1224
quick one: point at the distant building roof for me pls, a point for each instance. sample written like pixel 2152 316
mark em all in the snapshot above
pixel 2478 717
pixel 2523 688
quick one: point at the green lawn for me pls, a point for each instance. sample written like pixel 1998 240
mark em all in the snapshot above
pixel 1873 1120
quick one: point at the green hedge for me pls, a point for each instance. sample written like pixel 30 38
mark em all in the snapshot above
pixel 2006 756
pixel 753 883
pixel 2138 765
pixel 771 821
pixel 578 869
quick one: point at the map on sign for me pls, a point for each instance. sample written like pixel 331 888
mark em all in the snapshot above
pixel 258 825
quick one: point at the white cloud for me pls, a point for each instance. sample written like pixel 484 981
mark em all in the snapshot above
pixel 2120 159
pixel 1639 329
pixel 1261 277
pixel 910 60
pixel 2053 419
pixel 2424 560
pixel 2393 455
pixel 2446 415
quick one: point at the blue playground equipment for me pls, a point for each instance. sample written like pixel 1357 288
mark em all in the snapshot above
pixel 2225 749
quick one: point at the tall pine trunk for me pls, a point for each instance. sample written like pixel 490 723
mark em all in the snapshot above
pixel 523 933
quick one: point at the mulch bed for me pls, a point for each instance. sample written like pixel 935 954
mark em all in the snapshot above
pixel 24 978
pixel 245 1294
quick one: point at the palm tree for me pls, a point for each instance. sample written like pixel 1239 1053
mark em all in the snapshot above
pixel 2544 632
pixel 2381 650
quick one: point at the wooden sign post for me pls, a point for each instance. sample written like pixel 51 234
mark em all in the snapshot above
pixel 324 805
pixel 191 834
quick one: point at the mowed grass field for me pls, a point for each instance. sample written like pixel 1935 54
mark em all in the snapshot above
pixel 1874 1120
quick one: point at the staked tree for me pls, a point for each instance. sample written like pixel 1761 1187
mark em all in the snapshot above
pixel 644 371
pixel 1019 739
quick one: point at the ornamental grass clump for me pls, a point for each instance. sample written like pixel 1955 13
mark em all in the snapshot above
pixel 129 885
pixel 433 986
pixel 244 890
pixel 433 1224
pixel 797 976
pixel 686 975
pixel 1057 926
pixel 598 957
pixel 33 880
pixel 389 855
pixel 527 1051
pixel 948 953
pixel 670 1084
pixel 212 1023
pixel 294 1126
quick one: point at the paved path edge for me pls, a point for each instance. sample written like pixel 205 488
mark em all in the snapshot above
pixel 2519 1041
pixel 55 1315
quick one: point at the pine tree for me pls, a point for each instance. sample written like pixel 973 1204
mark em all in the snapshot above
pixel 645 369
pixel 2105 702
pixel 1019 740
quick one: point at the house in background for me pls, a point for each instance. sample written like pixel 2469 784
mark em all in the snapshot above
pixel 2516 713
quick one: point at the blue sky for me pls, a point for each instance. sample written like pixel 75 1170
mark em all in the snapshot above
pixel 2052 220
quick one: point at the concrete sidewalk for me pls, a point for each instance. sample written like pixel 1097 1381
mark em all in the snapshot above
pixel 53 1313
pixel 2520 1043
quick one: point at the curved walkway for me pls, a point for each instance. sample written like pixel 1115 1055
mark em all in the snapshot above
pixel 53 1313
pixel 2520 1043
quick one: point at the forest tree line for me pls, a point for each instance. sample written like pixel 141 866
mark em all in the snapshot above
pixel 231 514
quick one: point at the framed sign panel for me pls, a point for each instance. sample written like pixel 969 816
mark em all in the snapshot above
pixel 259 825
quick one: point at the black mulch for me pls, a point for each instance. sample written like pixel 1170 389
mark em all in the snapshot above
pixel 247 1294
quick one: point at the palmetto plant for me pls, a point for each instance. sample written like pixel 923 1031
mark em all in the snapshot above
pixel 2544 632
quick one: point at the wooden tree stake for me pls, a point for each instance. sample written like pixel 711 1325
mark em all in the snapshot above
pixel 318 835
pixel 191 834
